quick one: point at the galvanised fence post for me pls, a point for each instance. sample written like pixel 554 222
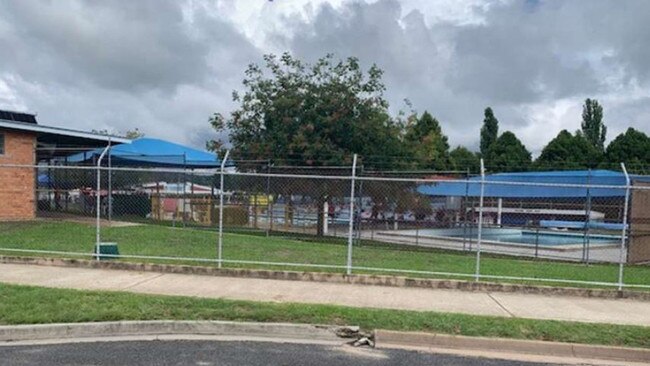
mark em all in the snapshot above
pixel 351 222
pixel 621 259
pixel 98 200
pixel 479 238
pixel 221 189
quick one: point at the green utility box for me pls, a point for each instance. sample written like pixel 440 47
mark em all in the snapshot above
pixel 106 248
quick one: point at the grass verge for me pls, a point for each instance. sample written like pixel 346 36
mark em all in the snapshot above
pixel 32 305
pixel 153 240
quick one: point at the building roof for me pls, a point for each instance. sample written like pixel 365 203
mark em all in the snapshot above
pixel 52 132
pixel 153 152
pixel 55 141
pixel 504 185
pixel 18 116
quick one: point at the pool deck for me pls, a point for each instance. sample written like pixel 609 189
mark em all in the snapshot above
pixel 597 252
pixel 609 253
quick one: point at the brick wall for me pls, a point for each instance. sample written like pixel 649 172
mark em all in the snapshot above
pixel 17 185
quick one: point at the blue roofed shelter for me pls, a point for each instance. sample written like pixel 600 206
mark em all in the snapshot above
pixel 523 197
pixel 504 185
pixel 558 199
pixel 133 193
pixel 150 152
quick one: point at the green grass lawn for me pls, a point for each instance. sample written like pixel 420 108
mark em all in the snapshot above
pixel 153 240
pixel 30 305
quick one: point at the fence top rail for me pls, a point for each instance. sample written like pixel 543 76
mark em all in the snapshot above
pixel 434 180
pixel 105 168
pixel 427 180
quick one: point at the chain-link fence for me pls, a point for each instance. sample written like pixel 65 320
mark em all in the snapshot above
pixel 585 228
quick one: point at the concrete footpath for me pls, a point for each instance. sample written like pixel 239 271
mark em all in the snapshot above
pixel 614 311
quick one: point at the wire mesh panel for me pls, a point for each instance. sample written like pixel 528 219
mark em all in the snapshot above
pixel 163 214
pixel 586 228
pixel 554 227
pixel 402 229
pixel 63 191
pixel 285 219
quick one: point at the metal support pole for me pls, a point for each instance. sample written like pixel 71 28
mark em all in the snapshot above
pixel 98 199
pixel 109 196
pixel 177 198
pixel 269 204
pixel 463 206
pixel 351 223
pixel 359 218
pixel 499 210
pixel 480 224
pixel 191 195
pixel 184 188
pixel 621 260
pixel 536 241
pixel 221 186
pixel 585 246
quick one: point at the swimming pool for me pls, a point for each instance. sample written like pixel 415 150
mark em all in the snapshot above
pixel 518 236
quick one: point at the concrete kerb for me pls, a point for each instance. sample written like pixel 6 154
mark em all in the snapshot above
pixel 358 279
pixel 429 341
pixel 303 332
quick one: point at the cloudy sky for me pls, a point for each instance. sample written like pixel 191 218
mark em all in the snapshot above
pixel 165 66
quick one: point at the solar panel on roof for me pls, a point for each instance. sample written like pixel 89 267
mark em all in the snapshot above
pixel 18 117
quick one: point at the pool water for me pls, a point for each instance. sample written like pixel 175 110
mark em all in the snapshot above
pixel 545 238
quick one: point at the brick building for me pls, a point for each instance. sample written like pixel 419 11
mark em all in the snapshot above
pixel 23 144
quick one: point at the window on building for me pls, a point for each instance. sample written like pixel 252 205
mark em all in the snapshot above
pixel 2 143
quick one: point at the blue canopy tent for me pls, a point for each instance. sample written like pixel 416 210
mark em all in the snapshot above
pixel 564 186
pixel 152 153
pixel 545 189
pixel 149 153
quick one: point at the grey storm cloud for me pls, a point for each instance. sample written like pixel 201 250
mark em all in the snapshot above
pixel 552 50
pixel 125 45
pixel 161 66
pixel 165 66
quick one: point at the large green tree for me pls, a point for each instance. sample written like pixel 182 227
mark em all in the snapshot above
pixel 631 148
pixel 463 159
pixel 508 154
pixel 319 114
pixel 427 144
pixel 310 114
pixel 592 126
pixel 489 131
pixel 568 151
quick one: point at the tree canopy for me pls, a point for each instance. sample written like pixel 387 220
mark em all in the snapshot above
pixel 310 114
pixel 568 151
pixel 134 134
pixel 427 144
pixel 508 154
pixel 463 159
pixel 489 131
pixel 631 148
pixel 592 126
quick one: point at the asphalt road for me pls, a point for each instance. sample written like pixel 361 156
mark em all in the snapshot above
pixel 225 353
